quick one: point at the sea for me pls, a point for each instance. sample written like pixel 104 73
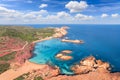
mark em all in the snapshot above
pixel 101 41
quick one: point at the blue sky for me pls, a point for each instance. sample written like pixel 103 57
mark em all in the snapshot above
pixel 59 11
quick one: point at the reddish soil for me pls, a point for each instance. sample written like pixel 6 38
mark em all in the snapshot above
pixel 23 49
pixel 8 45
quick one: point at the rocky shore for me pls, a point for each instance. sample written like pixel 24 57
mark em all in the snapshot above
pixel 90 64
pixel 90 69
pixel 87 69
pixel 60 32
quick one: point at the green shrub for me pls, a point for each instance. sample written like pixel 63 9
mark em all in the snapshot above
pixel 8 57
pixel 26 33
pixel 21 77
pixel 38 78
pixel 4 67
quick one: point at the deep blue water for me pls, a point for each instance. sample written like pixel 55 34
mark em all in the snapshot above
pixel 101 41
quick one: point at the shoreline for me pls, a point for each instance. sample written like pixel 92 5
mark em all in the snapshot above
pixel 29 66
pixel 59 32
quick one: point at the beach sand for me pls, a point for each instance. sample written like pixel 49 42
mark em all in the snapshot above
pixel 11 74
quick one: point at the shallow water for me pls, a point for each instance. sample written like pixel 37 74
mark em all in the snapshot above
pixel 101 41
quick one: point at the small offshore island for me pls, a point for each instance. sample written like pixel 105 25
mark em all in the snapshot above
pixel 63 55
pixel 17 44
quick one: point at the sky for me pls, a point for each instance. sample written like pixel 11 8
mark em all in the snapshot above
pixel 59 11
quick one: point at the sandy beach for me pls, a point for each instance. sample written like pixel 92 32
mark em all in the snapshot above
pixel 11 74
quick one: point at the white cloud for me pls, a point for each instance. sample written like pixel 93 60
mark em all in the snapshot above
pixel 60 15
pixel 115 15
pixel 75 6
pixel 83 17
pixel 41 12
pixel 63 14
pixel 43 5
pixel 9 14
pixel 104 15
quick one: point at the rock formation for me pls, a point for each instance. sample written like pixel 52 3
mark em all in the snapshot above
pixel 90 69
pixel 73 41
pixel 90 64
pixel 60 32
pixel 63 55
pixel 67 51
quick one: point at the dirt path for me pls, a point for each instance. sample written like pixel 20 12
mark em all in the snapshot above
pixel 11 74
pixel 26 43
pixel 12 50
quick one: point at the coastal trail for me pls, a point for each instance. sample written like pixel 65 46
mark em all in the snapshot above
pixel 12 50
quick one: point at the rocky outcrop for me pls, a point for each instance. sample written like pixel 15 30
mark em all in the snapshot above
pixel 90 69
pixel 46 73
pixel 89 76
pixel 73 41
pixel 67 52
pixel 90 64
pixel 60 32
pixel 63 55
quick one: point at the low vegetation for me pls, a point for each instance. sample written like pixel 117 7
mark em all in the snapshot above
pixel 12 37
pixel 38 78
pixel 22 77
pixel 4 67
pixel 25 33
pixel 8 57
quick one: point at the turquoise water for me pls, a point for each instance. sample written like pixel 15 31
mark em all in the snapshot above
pixel 101 41
pixel 45 52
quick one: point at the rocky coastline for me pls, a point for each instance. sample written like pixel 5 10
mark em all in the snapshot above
pixel 87 69
pixel 90 64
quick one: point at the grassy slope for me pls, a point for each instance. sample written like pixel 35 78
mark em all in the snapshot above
pixel 25 33
pixel 5 66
